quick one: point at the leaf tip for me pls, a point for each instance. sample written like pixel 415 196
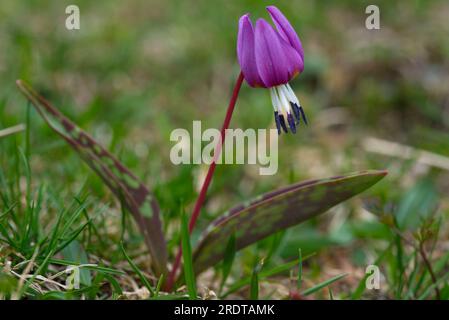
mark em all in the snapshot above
pixel 381 173
pixel 19 83
pixel 22 86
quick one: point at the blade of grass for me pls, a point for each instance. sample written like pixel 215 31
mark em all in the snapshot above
pixel 433 286
pixel 441 263
pixel 90 267
pixel 27 135
pixel 323 284
pixel 4 214
pixel 96 285
pixel 159 285
pixel 92 226
pixel 55 231
pixel 171 297
pixel 136 270
pixel 400 266
pixel 72 237
pixel 264 274
pixel 115 286
pixel 24 227
pixel 299 284
pixel 189 274
pixel 412 277
pixel 39 270
pixel 254 288
pixel 228 260
pixel 275 244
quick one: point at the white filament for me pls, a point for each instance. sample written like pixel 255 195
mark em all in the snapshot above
pixel 292 94
pixel 275 99
pixel 281 97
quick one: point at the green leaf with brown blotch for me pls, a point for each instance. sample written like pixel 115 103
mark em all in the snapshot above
pixel 133 194
pixel 277 210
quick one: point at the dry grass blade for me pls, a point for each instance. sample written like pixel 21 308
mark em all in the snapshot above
pixel 12 130
pixel 394 149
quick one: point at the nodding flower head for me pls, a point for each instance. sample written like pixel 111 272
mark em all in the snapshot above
pixel 269 59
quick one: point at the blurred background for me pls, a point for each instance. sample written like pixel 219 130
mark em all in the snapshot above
pixel 136 70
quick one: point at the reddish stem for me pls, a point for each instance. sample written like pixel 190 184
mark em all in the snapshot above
pixel 208 179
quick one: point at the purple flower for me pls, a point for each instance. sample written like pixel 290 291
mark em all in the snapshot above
pixel 270 58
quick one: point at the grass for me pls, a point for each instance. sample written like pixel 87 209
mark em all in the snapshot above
pixel 189 273
pixel 135 72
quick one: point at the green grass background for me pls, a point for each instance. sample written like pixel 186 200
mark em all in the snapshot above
pixel 137 70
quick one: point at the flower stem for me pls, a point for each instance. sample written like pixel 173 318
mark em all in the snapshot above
pixel 202 196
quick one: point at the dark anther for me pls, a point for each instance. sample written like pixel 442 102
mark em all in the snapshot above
pixel 303 115
pixel 291 122
pixel 296 112
pixel 282 122
pixel 278 125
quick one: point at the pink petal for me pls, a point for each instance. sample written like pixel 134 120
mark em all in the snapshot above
pixel 277 61
pixel 246 52
pixel 285 29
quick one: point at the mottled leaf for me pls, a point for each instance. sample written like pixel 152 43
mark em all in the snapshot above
pixel 278 210
pixel 133 194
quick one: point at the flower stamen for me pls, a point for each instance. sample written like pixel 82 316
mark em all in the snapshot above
pixel 282 121
pixel 291 123
pixel 303 114
pixel 287 109
pixel 277 120
pixel 297 108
